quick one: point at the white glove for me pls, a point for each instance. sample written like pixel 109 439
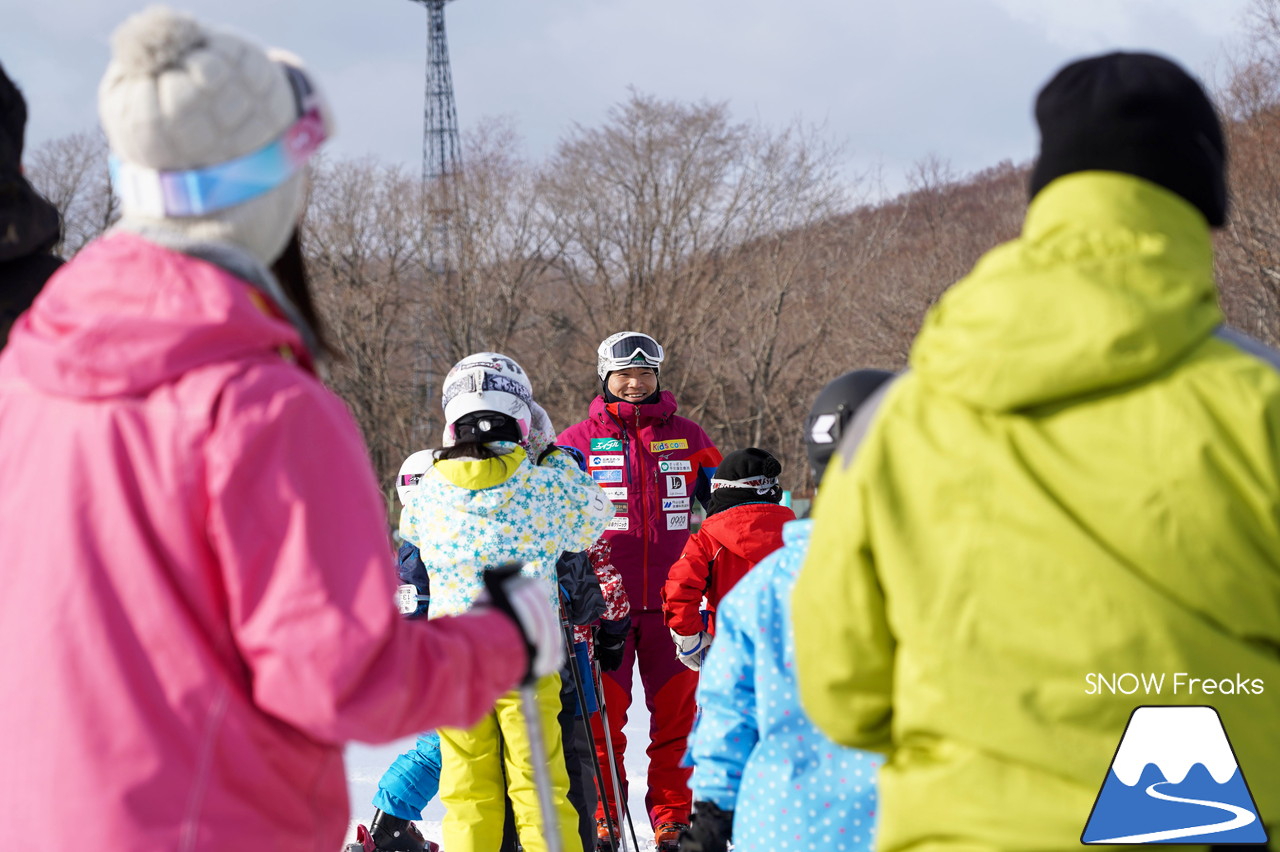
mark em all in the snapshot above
pixel 541 433
pixel 692 650
pixel 527 601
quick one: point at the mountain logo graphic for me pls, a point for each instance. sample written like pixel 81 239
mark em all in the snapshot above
pixel 1174 779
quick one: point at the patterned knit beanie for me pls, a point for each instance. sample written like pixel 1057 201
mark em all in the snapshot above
pixel 184 106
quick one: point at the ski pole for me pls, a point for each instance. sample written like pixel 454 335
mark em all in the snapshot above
pixel 613 765
pixel 541 769
pixel 610 825
pixel 493 579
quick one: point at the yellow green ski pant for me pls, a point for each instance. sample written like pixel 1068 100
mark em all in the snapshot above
pixel 473 786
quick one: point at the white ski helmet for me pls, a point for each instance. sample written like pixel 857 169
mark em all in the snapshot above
pixel 627 349
pixel 487 381
pixel 411 472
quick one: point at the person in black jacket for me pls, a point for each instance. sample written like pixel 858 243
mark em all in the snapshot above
pixel 29 225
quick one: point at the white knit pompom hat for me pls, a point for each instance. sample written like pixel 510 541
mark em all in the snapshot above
pixel 179 95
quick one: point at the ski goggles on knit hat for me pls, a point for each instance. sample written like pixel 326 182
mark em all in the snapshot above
pixel 759 484
pixel 199 192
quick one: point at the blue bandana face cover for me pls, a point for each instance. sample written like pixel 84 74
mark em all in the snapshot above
pixel 198 192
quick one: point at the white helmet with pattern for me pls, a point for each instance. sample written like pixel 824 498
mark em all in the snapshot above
pixel 487 381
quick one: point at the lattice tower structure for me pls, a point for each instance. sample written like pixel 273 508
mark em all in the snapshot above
pixel 441 158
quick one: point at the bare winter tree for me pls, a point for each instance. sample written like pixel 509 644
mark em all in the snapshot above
pixel 1249 246
pixel 652 214
pixel 363 239
pixel 505 255
pixel 72 173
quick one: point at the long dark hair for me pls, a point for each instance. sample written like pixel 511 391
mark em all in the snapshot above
pixel 290 269
pixel 467 450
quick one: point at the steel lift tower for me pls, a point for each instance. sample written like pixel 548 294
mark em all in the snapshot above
pixel 440 157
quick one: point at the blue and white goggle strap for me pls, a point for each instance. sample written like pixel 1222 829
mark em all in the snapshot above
pixel 199 192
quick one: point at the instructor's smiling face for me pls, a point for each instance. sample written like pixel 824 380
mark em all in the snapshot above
pixel 633 384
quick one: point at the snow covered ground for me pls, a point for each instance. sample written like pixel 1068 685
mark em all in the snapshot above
pixel 366 763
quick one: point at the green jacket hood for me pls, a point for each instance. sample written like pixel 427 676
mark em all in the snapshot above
pixel 1137 263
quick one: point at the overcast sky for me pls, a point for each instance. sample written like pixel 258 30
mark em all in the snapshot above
pixel 894 82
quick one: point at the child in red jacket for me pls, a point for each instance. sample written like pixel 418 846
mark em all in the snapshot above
pixel 744 525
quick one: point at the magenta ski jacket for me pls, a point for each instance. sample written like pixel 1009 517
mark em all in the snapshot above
pixel 652 463
pixel 197 608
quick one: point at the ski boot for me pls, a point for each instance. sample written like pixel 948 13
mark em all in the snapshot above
pixel 666 836
pixel 604 840
pixel 387 833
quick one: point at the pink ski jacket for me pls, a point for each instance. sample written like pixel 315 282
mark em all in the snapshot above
pixel 653 464
pixel 197 607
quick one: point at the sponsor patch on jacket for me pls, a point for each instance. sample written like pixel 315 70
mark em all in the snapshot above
pixel 676 486
pixel 620 508
pixel 619 522
pixel 600 507
pixel 666 446
pixel 601 444
pixel 616 493
pixel 610 460
pixel 607 475
pixel 678 521
pixel 675 504
pixel 672 466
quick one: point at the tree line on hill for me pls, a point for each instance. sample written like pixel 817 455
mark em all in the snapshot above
pixel 741 248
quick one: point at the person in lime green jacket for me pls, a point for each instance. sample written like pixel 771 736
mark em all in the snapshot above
pixel 1073 494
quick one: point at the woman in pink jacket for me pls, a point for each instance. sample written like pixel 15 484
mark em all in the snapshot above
pixel 198 596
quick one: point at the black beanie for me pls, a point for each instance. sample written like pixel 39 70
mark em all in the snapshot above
pixel 1135 113
pixel 756 469
pixel 13 123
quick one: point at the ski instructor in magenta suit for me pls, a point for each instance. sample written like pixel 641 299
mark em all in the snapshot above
pixel 652 463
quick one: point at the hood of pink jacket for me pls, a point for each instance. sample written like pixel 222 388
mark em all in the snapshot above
pixel 91 334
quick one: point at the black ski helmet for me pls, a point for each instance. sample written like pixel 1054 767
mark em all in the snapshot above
pixel 835 406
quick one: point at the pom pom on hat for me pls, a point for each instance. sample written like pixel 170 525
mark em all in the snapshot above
pixel 180 95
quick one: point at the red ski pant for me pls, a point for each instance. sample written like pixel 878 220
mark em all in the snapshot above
pixel 669 689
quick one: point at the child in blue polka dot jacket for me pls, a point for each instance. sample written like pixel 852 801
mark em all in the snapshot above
pixel 764 778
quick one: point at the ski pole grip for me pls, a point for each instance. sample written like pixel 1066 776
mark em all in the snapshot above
pixel 504 585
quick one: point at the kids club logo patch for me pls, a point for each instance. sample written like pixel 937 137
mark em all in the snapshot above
pixel 1174 779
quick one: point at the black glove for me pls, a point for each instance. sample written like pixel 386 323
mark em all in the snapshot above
pixel 609 645
pixel 710 829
